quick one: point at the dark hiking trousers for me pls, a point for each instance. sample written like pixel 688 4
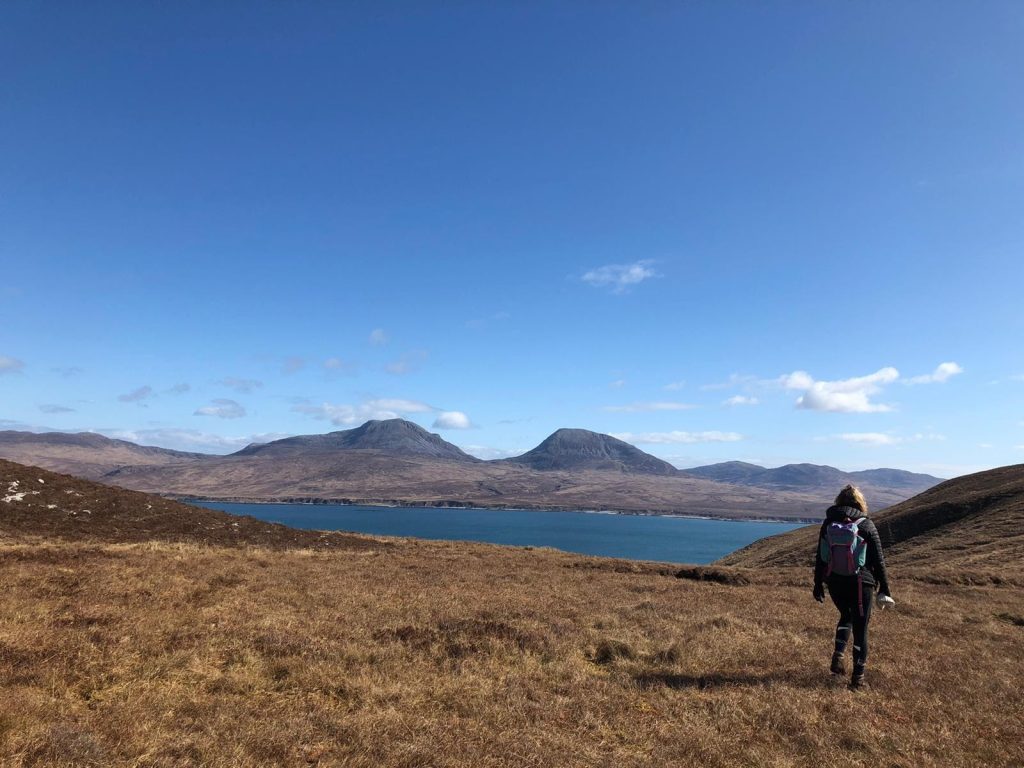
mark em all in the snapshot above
pixel 854 614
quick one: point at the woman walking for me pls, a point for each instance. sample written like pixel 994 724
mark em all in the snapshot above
pixel 849 560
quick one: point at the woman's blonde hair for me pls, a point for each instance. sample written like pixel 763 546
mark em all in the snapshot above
pixel 851 496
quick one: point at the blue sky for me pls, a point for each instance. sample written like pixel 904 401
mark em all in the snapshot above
pixel 771 232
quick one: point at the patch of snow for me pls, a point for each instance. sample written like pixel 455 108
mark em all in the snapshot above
pixel 42 481
pixel 51 506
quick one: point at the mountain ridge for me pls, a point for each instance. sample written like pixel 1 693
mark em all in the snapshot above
pixel 574 449
pixel 396 461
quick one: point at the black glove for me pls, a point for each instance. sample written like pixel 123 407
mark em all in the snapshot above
pixel 819 592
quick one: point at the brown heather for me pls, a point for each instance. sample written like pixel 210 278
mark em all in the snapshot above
pixel 260 649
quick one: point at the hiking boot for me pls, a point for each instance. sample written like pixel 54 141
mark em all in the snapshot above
pixel 857 681
pixel 838 667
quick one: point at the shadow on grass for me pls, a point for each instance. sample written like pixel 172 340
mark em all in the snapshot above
pixel 801 679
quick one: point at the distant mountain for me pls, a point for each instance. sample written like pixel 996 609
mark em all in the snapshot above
pixel 576 449
pixel 956 530
pixel 396 437
pixel 396 461
pixel 882 486
pixel 85 454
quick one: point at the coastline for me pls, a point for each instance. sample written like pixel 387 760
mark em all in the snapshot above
pixel 452 504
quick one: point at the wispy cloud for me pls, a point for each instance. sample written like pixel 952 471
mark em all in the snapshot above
pixel 349 415
pixel 617 384
pixel 137 395
pixel 674 386
pixel 379 337
pixel 292 364
pixel 741 400
pixel 222 409
pixel 648 407
pixel 676 437
pixel 53 408
pixel 479 323
pixel 410 362
pixel 337 365
pixel 68 371
pixel 842 396
pixel 452 420
pixel 489 453
pixel 734 380
pixel 943 373
pixel 10 365
pixel 619 278
pixel 243 386
pixel 179 389
pixel 884 438
pixel 190 439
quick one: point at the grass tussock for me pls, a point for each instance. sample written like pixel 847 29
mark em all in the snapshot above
pixel 429 654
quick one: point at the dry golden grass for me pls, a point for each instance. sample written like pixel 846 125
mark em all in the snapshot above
pixel 432 654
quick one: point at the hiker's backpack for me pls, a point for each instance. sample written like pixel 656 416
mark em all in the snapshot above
pixel 843 549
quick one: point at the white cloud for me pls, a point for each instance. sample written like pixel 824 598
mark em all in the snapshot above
pixel 944 372
pixel 52 408
pixel 222 409
pixel 674 386
pixel 620 277
pixel 617 384
pixel 676 437
pixel 137 395
pixel 68 371
pixel 379 337
pixel 1017 377
pixel 452 420
pixel 10 365
pixel 244 386
pixel 843 396
pixel 741 400
pixel 179 389
pixel 648 407
pixel 349 415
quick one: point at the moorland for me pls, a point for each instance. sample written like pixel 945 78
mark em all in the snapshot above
pixel 135 630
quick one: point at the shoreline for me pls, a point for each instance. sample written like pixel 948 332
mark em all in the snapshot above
pixel 449 505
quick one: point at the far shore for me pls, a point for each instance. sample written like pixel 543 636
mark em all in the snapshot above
pixel 452 504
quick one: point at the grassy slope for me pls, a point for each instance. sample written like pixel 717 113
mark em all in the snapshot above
pixel 438 654
pixel 971 527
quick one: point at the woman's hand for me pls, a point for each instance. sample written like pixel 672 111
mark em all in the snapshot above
pixel 819 592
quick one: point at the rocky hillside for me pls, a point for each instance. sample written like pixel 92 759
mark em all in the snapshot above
pixel 39 505
pixel 84 454
pixel 972 523
pixel 575 449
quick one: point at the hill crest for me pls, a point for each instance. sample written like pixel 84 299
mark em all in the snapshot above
pixel 398 437
pixel 575 449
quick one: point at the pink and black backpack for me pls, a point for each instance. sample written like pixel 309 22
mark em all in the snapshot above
pixel 842 547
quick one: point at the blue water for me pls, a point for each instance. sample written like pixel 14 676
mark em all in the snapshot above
pixel 637 537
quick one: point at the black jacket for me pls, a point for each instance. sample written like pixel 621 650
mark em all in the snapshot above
pixel 874 565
